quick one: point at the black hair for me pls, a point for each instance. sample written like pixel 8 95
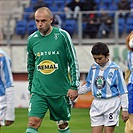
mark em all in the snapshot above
pixel 100 48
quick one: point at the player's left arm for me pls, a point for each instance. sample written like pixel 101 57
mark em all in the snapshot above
pixel 123 95
pixel 122 89
pixel 10 111
pixel 74 68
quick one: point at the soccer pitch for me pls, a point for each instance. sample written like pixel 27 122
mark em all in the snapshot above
pixel 80 123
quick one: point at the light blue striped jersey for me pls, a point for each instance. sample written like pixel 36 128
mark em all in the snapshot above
pixel 106 82
pixel 130 81
pixel 6 79
pixel 130 65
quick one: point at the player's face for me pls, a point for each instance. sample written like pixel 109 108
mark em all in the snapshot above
pixel 101 59
pixel 43 22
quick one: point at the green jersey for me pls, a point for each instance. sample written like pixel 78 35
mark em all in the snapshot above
pixel 52 63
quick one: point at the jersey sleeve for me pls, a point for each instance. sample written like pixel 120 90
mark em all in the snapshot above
pixel 73 63
pixel 30 64
pixel 10 110
pixel 121 82
pixel 6 72
pixel 87 86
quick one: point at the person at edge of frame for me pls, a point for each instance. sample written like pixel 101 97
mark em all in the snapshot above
pixel 129 82
pixel 7 107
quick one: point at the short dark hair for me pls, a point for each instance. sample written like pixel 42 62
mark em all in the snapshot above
pixel 100 48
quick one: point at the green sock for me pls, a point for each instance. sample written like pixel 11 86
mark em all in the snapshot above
pixel 64 130
pixel 31 130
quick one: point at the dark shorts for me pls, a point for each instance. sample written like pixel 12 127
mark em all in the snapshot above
pixel 59 107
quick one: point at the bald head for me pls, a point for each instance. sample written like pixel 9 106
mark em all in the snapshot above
pixel 44 10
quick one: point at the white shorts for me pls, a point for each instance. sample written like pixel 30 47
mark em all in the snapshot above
pixel 105 112
pixel 2 110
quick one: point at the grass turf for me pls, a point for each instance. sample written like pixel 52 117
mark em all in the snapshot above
pixel 80 123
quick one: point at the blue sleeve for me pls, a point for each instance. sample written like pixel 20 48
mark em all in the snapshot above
pixel 89 78
pixel 121 82
pixel 6 72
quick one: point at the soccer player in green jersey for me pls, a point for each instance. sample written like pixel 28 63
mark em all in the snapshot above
pixel 53 70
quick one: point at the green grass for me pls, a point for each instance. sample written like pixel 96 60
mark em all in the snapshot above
pixel 80 123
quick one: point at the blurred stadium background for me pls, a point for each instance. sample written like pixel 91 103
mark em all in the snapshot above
pixel 15 27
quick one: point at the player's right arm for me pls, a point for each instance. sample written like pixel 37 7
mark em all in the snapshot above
pixel 30 64
pixel 81 90
pixel 87 86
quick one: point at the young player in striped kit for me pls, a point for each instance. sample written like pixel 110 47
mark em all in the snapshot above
pixel 7 115
pixel 105 80
pixel 129 81
pixel 51 55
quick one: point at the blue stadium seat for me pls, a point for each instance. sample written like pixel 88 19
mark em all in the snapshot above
pixel 62 16
pixel 49 2
pixel 68 1
pixel 59 2
pixel 129 24
pixel 21 28
pixel 54 8
pixel 31 27
pixel 32 2
pixel 27 12
pixel 116 1
pixel 69 26
pixel 84 24
pixel 102 7
pixel 98 1
pixel 107 2
pixel 112 7
pixel 121 25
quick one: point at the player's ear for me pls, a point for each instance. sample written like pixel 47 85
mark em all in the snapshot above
pixel 51 19
pixel 108 55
